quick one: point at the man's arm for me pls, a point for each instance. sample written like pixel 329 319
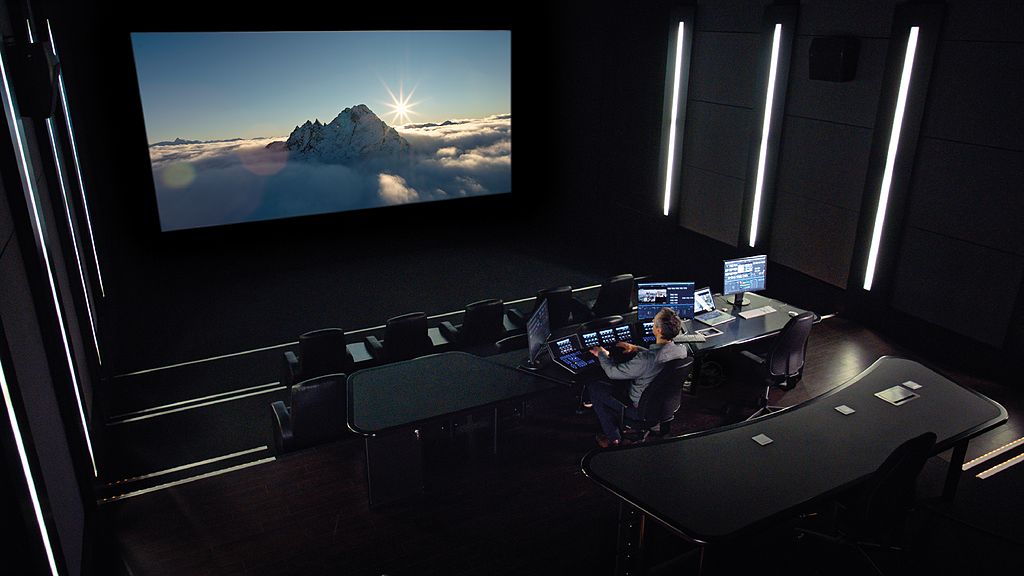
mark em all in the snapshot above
pixel 636 366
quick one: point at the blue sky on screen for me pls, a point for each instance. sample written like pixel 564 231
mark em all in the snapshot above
pixel 208 86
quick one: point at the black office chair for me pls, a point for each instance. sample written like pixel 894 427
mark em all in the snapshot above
pixel 405 337
pixel 559 307
pixel 783 365
pixel 315 414
pixel 614 297
pixel 874 513
pixel 661 400
pixel 320 352
pixel 482 325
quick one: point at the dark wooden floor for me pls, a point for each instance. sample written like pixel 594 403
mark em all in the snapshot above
pixel 528 510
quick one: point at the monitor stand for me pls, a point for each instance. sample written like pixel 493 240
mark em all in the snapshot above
pixel 738 300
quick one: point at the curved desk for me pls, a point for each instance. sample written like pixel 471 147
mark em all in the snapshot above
pixel 720 483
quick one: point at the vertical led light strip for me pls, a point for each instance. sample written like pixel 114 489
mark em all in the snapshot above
pixel 763 154
pixel 890 158
pixel 27 471
pixel 675 115
pixel 71 231
pixel 28 181
pixel 78 166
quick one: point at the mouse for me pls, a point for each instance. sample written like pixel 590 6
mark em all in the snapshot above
pixel 792 313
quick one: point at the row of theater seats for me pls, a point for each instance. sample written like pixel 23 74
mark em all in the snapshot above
pixel 315 376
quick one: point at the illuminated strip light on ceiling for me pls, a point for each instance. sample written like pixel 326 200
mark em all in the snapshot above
pixel 675 115
pixel 71 231
pixel 765 128
pixel 890 159
pixel 29 480
pixel 78 166
pixel 28 181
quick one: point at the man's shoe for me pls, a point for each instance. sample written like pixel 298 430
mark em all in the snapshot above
pixel 604 442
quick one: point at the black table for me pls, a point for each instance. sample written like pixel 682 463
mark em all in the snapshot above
pixel 733 333
pixel 386 403
pixel 717 484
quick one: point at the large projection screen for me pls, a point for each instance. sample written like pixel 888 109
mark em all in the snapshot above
pixel 249 126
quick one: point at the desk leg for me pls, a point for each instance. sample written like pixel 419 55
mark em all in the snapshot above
pixel 628 553
pixel 956 465
pixel 394 466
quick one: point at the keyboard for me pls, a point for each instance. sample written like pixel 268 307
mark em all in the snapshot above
pixel 714 317
pixel 757 312
pixel 694 337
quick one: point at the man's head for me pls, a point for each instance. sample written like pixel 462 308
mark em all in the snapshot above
pixel 668 323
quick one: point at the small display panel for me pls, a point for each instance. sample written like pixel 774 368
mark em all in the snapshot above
pixel 653 296
pixel 606 336
pixel 745 274
pixel 703 301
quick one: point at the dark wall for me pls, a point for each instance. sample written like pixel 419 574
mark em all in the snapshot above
pixel 588 91
pixel 958 270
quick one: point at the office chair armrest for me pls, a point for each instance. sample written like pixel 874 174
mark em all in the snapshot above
pixel 753 357
pixel 449 331
pixel 516 317
pixel 374 347
pixel 282 427
pixel 291 368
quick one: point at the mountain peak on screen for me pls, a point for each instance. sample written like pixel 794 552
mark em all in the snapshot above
pixel 355 134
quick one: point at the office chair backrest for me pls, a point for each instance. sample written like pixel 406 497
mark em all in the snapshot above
pixel 406 337
pixel 482 323
pixel 662 397
pixel 559 305
pixel 787 355
pixel 889 492
pixel 323 352
pixel 615 296
pixel 318 411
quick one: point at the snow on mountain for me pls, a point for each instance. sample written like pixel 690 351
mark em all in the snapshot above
pixel 355 134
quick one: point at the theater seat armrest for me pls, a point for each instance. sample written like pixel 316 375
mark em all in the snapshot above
pixel 753 357
pixel 374 347
pixel 282 427
pixel 516 317
pixel 291 368
pixel 449 331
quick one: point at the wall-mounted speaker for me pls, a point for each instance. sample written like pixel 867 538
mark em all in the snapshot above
pixel 834 59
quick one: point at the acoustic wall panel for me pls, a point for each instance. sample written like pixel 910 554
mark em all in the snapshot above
pixel 984 20
pixel 842 17
pixel 728 16
pixel 854 102
pixel 712 204
pixel 972 193
pixel 717 139
pixel 724 68
pixel 813 236
pixel 975 94
pixel 964 287
pixel 824 161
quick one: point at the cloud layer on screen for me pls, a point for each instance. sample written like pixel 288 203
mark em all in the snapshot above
pixel 240 181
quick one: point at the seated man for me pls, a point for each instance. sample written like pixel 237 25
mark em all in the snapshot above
pixel 641 369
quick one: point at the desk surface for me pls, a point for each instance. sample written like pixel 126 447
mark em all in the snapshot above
pixel 396 395
pixel 742 329
pixel 715 484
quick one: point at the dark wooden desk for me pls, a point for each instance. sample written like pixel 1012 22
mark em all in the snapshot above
pixel 717 484
pixel 386 403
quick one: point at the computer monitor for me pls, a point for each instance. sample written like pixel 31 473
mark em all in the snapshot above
pixel 538 328
pixel 744 275
pixel 653 296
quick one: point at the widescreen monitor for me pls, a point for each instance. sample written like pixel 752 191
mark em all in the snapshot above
pixel 741 275
pixel 250 126
pixel 538 328
pixel 653 296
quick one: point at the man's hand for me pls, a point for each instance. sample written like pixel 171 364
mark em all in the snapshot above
pixel 596 350
pixel 627 347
